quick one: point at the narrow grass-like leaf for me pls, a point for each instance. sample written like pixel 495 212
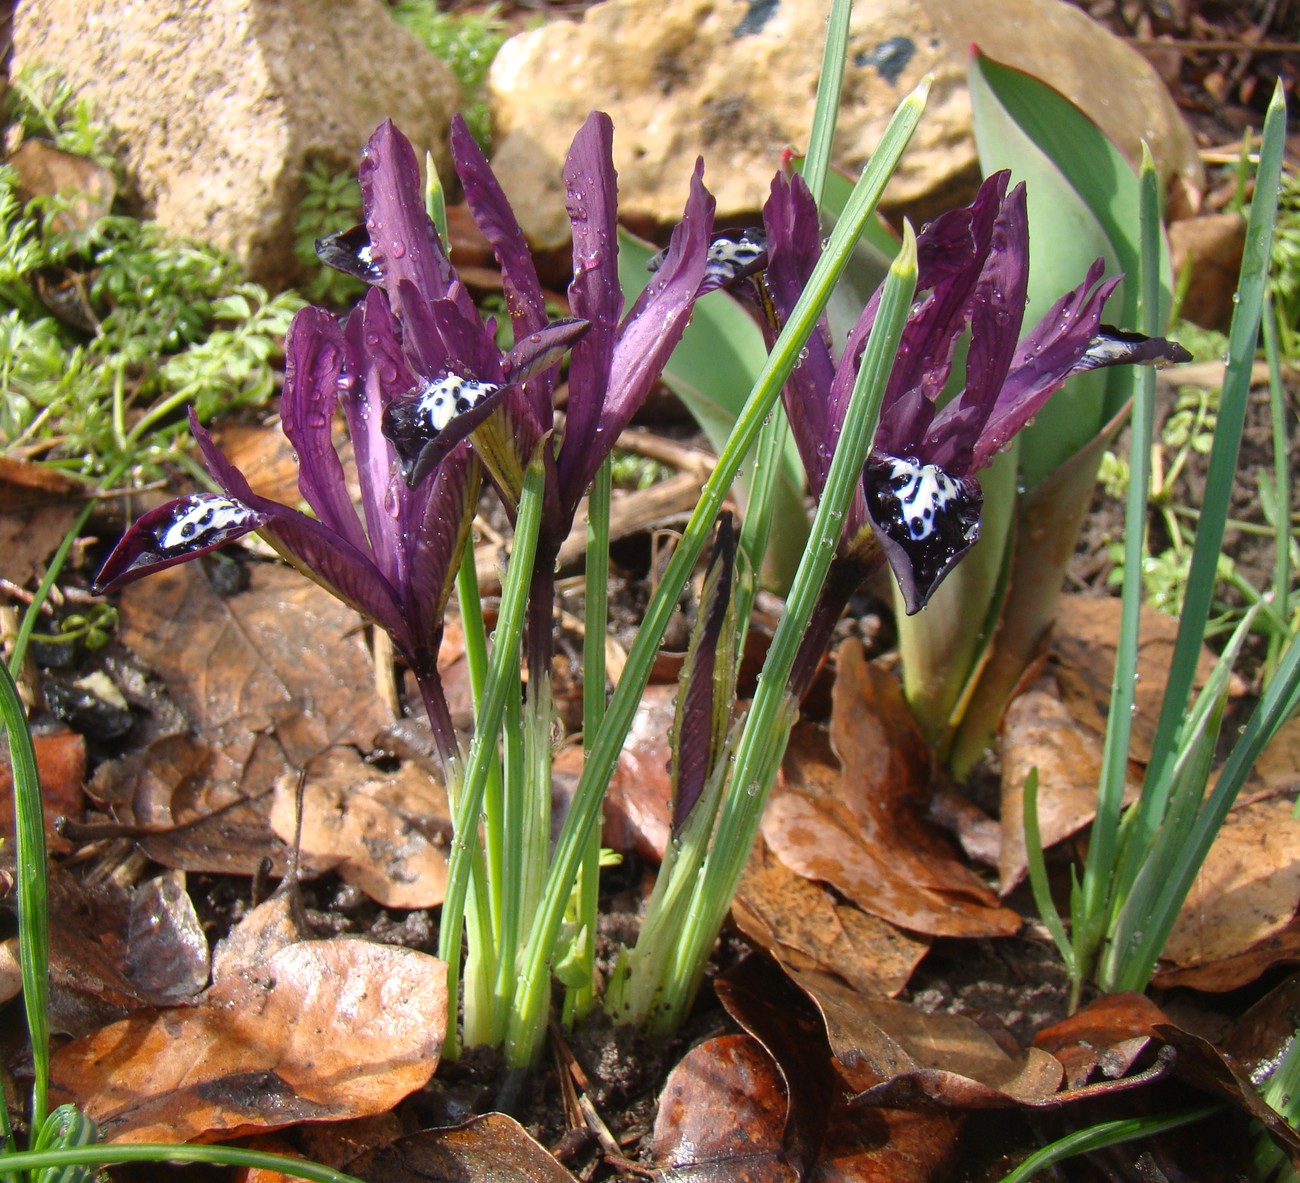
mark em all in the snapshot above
pixel 1133 941
pixel 1185 860
pixel 230 1156
pixel 527 1022
pixel 1103 847
pixel 578 1001
pixel 33 890
pixel 830 85
pixel 502 679
pixel 1282 482
pixel 1103 1134
pixel 1038 872
pixel 1242 339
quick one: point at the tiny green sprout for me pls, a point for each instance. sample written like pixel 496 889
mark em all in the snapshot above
pixel 93 628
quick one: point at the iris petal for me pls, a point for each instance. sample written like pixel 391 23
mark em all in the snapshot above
pixel 174 533
pixel 924 519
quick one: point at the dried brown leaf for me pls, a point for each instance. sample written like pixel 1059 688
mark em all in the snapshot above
pixel 167 949
pixel 385 834
pixel 802 926
pixel 1039 731
pixel 1083 645
pixel 493 1148
pixel 61 764
pixel 263 932
pixel 266 680
pixel 1247 889
pixel 861 826
pixel 324 1030
pixel 722 1116
pixel 900 1057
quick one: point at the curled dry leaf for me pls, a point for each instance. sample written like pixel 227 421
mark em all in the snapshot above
pixel 1102 1039
pixel 265 680
pixel 493 1148
pixel 61 765
pixel 1083 646
pixel 11 970
pixel 771 1009
pixel 167 949
pixel 638 806
pixel 801 925
pixel 1247 889
pixel 722 1119
pixel 1039 731
pixel 897 1056
pixel 262 933
pixel 859 824
pixel 385 834
pixel 323 1030
pixel 722 1116
pixel 36 510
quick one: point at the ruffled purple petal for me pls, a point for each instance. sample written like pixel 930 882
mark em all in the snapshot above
pixel 924 519
pixel 952 252
pixel 372 337
pixel 595 293
pixel 646 339
pixel 996 312
pixel 315 359
pixel 175 533
pixel 403 242
pixel 1043 361
pixel 525 301
pixel 439 533
pixel 794 248
pixel 542 349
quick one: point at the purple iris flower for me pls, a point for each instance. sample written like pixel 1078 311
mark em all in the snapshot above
pixel 618 358
pixel 415 339
pixel 920 499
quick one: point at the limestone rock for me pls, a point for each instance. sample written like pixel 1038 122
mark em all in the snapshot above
pixel 734 81
pixel 221 104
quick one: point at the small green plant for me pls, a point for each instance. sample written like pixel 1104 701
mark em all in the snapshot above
pixel 46 106
pixel 1284 279
pixel 108 330
pixel 92 628
pixel 467 43
pixel 1142 861
pixel 331 200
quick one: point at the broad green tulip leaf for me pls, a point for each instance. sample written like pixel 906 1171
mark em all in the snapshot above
pixel 1083 203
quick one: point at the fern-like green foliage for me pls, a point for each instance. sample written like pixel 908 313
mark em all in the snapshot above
pixel 332 201
pixel 160 323
pixel 1284 273
pixel 45 106
pixel 467 44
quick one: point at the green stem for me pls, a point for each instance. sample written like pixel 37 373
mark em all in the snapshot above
pixel 578 1000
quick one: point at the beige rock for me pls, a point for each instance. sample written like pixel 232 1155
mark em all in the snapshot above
pixel 734 81
pixel 221 104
